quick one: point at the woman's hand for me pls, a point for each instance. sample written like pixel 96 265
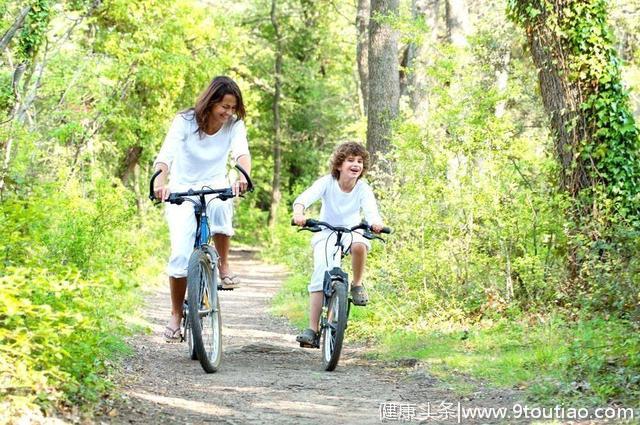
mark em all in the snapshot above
pixel 298 215
pixel 239 186
pixel 299 219
pixel 160 189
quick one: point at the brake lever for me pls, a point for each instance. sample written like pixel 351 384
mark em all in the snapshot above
pixel 311 229
pixel 371 236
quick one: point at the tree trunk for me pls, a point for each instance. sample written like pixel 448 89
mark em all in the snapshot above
pixel 458 26
pixel 417 81
pixel 562 99
pixel 502 78
pixel 408 57
pixel 277 150
pixel 384 79
pixel 129 164
pixel 596 140
pixel 362 50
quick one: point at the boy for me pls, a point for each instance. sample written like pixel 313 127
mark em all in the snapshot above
pixel 343 196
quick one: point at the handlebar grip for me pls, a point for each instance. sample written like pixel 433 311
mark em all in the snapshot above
pixel 246 176
pixel 153 178
pixel 311 222
pixel 386 230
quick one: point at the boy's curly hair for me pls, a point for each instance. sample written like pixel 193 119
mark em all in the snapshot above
pixel 342 152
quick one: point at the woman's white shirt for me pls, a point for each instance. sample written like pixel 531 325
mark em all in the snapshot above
pixel 194 161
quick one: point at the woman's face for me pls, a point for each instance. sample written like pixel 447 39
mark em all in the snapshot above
pixel 224 109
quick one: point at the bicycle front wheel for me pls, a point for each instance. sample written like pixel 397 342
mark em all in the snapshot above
pixel 334 326
pixel 186 331
pixel 204 311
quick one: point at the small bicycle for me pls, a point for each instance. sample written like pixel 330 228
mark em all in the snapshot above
pixel 201 318
pixel 336 304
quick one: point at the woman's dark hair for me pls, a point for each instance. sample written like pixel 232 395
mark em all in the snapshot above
pixel 219 87
pixel 345 150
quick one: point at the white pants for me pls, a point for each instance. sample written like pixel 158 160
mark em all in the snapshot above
pixel 182 230
pixel 326 254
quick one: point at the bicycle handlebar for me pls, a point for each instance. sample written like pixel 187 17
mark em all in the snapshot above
pixel 224 194
pixel 315 226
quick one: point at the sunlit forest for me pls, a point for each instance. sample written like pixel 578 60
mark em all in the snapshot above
pixel 506 158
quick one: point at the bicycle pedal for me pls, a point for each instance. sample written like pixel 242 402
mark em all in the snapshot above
pixel 221 288
pixel 305 345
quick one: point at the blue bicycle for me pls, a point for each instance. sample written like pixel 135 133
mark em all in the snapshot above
pixel 201 318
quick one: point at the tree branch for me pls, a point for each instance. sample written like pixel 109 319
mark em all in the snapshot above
pixel 17 24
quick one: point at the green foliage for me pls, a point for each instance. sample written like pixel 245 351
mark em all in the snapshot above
pixel 68 282
pixel 33 32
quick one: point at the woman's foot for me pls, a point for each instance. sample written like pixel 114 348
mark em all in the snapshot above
pixel 228 280
pixel 172 331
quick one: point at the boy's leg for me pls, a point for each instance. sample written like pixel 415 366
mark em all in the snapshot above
pixel 320 245
pixel 358 261
pixel 315 308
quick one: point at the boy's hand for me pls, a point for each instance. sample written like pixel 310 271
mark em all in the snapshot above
pixel 377 228
pixel 299 219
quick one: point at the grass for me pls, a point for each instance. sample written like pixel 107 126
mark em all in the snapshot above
pixel 292 301
pixel 593 362
pixel 502 354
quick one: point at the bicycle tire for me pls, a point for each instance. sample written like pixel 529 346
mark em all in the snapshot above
pixel 204 311
pixel 186 331
pixel 334 326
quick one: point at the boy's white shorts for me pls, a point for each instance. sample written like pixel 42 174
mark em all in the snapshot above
pixel 326 254
pixel 182 230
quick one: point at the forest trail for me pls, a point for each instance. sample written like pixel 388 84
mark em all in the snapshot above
pixel 264 376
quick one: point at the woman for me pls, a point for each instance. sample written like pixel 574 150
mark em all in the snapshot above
pixel 195 154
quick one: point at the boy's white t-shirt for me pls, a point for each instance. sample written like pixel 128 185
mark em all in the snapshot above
pixel 195 162
pixel 341 208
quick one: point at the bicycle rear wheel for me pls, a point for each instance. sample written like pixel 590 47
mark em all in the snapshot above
pixel 204 311
pixel 334 326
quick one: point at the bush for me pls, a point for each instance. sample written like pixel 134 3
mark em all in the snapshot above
pixel 69 282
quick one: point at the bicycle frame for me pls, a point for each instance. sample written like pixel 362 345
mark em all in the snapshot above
pixel 202 223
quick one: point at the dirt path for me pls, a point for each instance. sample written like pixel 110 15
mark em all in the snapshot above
pixel 265 377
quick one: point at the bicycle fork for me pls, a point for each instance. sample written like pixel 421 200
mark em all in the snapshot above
pixel 331 278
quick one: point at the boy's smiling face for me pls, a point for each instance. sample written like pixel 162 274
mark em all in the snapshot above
pixel 352 167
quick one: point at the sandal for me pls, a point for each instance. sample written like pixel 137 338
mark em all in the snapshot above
pixel 230 281
pixel 309 339
pixel 172 335
pixel 359 295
